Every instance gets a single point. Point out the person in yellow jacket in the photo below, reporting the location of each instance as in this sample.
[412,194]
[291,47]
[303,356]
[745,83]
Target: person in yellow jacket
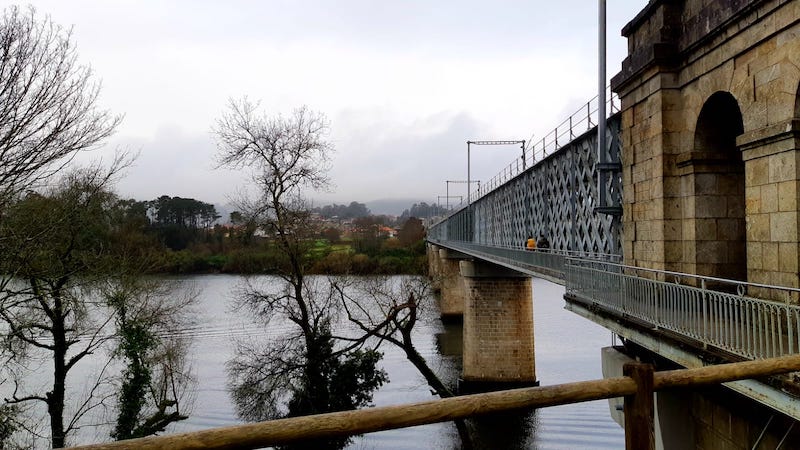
[530,244]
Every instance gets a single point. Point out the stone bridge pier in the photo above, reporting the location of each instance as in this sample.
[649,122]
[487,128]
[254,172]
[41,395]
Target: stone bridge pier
[448,279]
[433,265]
[495,305]
[498,328]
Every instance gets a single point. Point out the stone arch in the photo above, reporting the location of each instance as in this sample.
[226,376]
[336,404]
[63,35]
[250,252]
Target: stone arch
[718,124]
[717,176]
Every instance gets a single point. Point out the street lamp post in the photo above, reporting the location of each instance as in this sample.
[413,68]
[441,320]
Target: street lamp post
[469,202]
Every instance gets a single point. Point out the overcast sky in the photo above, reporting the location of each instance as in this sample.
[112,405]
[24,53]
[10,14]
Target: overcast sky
[404,83]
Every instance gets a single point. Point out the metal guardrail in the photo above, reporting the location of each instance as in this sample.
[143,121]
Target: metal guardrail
[724,317]
[518,257]
[552,261]
[714,312]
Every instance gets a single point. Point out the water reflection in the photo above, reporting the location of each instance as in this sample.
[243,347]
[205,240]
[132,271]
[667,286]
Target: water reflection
[567,349]
[451,340]
[511,430]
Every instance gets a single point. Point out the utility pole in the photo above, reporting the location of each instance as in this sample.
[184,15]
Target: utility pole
[601,104]
[448,197]
[496,142]
[467,182]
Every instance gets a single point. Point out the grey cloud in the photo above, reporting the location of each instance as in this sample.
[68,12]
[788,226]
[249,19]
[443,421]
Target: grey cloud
[390,160]
[379,155]
[173,163]
[472,27]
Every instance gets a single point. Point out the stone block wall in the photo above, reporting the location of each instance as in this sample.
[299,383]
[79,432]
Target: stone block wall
[432,253]
[725,420]
[451,297]
[772,204]
[682,206]
[498,328]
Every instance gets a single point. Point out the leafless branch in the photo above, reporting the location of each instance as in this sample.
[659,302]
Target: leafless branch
[48,108]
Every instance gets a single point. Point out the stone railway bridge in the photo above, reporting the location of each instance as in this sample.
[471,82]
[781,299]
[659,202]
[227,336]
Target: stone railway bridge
[695,256]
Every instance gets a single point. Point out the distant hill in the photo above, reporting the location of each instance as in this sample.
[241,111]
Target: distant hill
[391,206]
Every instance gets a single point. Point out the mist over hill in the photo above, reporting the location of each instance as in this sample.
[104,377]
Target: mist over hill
[391,206]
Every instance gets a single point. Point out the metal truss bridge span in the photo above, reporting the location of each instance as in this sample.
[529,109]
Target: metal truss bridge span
[556,198]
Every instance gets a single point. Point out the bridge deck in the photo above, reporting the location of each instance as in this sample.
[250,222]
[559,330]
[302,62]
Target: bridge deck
[538,263]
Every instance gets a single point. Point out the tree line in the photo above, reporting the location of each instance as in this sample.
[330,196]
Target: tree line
[351,211]
[175,221]
[185,235]
[425,210]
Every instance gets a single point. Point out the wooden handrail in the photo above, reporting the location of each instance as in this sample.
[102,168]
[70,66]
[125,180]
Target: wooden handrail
[347,423]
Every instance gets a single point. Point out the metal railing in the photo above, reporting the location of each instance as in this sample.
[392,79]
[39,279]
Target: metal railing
[552,261]
[578,123]
[724,317]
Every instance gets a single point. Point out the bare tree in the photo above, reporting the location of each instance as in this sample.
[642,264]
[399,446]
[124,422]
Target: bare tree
[48,109]
[45,313]
[64,252]
[305,371]
[285,156]
[387,310]
[55,257]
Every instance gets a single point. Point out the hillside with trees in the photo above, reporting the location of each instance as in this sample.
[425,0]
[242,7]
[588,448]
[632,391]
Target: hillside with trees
[192,238]
[423,210]
[186,235]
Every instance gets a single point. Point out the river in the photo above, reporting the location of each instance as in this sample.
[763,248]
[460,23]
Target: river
[567,349]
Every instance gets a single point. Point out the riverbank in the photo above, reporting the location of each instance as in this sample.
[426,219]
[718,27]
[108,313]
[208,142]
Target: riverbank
[322,258]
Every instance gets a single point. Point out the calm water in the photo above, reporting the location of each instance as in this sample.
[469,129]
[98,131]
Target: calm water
[567,349]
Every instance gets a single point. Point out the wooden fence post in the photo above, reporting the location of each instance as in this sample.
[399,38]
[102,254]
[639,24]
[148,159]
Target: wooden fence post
[639,427]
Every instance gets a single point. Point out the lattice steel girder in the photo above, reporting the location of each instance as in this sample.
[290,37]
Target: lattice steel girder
[556,198]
